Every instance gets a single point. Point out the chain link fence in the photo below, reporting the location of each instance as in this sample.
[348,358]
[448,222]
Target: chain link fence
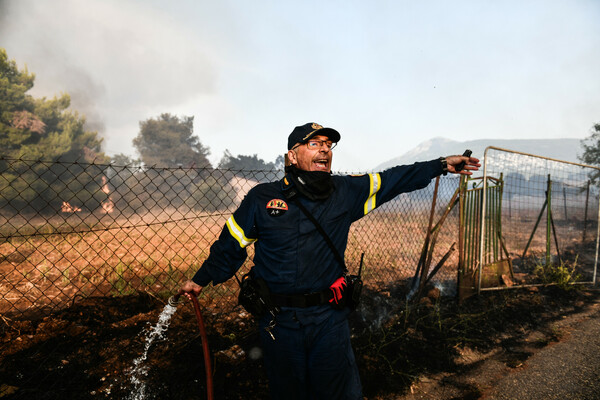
[84,248]
[71,230]
[547,217]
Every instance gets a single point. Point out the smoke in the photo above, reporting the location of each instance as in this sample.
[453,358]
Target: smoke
[120,63]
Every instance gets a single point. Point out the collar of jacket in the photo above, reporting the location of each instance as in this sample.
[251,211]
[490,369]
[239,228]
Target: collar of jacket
[289,189]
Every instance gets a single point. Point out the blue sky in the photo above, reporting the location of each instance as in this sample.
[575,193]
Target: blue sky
[387,74]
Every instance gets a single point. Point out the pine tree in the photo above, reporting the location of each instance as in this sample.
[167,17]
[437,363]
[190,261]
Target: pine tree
[169,141]
[591,151]
[39,129]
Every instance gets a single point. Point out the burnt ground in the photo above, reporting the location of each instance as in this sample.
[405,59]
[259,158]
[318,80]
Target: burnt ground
[86,351]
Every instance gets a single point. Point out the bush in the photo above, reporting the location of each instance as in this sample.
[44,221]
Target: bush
[562,275]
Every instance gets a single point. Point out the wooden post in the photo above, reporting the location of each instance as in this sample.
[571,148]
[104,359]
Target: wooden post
[419,273]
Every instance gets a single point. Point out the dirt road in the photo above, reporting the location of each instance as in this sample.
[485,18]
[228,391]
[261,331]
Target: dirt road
[534,369]
[567,370]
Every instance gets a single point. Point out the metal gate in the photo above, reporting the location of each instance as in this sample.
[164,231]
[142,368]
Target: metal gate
[481,244]
[533,221]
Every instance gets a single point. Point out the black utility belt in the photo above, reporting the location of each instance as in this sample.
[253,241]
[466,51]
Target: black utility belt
[301,300]
[258,300]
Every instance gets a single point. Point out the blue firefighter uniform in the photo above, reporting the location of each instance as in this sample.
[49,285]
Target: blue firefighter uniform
[311,356]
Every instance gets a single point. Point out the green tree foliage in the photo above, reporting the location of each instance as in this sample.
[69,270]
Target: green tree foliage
[124,160]
[251,167]
[16,107]
[41,129]
[591,151]
[210,194]
[168,141]
[138,189]
[244,163]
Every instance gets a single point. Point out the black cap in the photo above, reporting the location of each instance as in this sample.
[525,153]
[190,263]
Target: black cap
[303,133]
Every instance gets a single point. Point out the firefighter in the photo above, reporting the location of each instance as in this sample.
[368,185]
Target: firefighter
[306,337]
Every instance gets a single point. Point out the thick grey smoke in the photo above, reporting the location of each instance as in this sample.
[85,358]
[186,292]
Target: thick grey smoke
[120,63]
[400,72]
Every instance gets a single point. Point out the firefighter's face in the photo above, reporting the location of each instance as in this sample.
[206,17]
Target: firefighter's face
[313,156]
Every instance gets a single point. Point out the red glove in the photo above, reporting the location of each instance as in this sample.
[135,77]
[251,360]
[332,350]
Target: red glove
[337,288]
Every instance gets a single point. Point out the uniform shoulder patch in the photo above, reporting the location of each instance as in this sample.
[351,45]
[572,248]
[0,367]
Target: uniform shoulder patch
[276,207]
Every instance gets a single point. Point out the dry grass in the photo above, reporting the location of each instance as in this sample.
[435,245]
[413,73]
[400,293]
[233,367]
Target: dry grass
[152,253]
[121,257]
[156,251]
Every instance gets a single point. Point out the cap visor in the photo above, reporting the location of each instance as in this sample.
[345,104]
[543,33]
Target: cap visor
[329,132]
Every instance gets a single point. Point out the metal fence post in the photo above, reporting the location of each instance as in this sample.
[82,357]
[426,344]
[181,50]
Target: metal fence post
[597,244]
[587,200]
[482,232]
[548,219]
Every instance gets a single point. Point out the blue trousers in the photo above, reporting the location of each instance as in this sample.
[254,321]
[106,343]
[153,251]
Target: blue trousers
[311,358]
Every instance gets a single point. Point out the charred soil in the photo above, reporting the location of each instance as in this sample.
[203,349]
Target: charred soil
[86,351]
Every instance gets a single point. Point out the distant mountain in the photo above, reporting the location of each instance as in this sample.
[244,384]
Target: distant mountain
[560,149]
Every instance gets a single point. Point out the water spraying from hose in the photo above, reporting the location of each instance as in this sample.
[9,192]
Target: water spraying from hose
[173,302]
[139,370]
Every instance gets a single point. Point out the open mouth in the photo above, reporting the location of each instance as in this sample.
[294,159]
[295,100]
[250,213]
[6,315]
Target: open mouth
[322,164]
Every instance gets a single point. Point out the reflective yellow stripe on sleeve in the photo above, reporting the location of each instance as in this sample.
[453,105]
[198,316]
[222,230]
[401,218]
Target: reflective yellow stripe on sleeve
[238,233]
[374,186]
